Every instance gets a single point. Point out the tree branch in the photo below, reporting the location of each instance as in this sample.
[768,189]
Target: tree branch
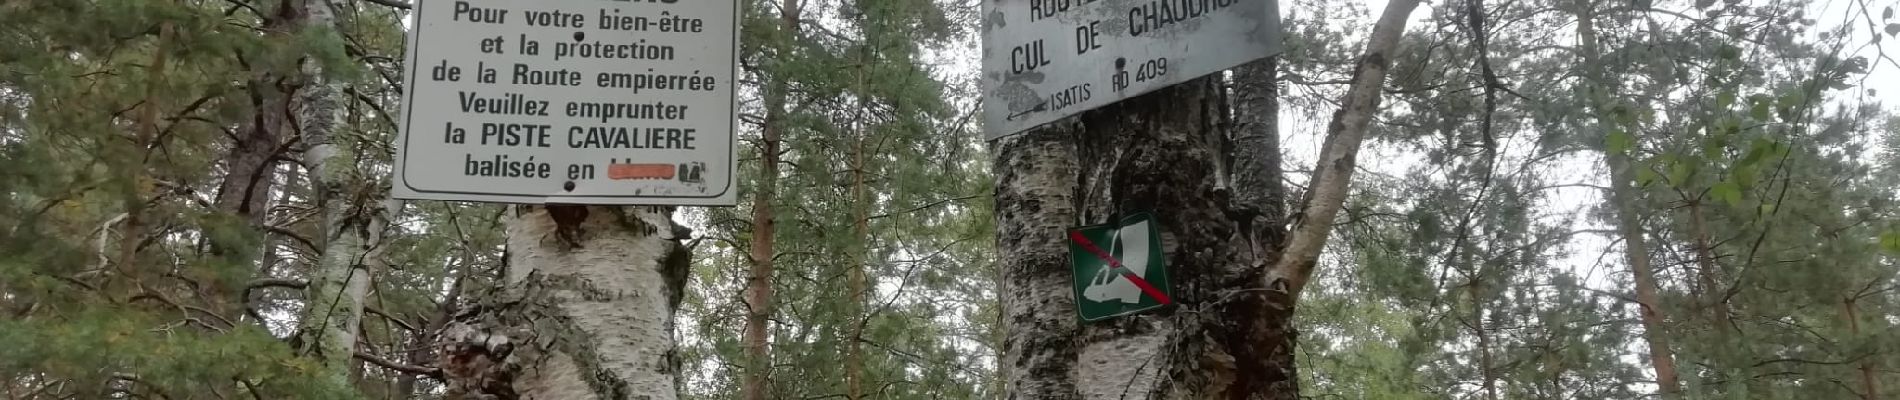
[1334,168]
[392,3]
[135,379]
[431,372]
[250,387]
[309,244]
[399,321]
[245,297]
[929,205]
[279,283]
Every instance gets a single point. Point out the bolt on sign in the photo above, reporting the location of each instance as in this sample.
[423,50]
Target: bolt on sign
[1119,268]
[570,101]
[1048,59]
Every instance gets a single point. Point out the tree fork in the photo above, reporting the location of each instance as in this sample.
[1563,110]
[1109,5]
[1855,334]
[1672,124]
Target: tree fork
[1332,172]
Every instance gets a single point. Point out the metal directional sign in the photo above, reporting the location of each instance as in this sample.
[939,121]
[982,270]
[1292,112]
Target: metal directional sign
[1048,59]
[1119,268]
[570,101]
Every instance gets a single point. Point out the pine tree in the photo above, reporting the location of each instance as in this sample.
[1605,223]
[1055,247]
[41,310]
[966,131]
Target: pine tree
[1623,199]
[116,117]
[758,298]
[191,207]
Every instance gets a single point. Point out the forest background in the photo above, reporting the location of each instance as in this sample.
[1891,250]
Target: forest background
[194,206]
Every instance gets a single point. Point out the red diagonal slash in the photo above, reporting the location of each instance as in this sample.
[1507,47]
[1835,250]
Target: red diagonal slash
[1117,264]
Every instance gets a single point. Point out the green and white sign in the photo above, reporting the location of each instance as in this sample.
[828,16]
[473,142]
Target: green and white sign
[1119,268]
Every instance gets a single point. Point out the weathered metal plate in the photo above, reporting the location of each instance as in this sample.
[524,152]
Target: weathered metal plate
[1048,59]
[570,102]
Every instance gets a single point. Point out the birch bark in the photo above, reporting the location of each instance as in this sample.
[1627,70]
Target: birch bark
[1226,340]
[1231,336]
[333,304]
[587,312]
[1332,174]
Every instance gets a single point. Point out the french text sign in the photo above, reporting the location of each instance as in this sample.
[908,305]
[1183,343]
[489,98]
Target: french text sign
[570,101]
[1048,59]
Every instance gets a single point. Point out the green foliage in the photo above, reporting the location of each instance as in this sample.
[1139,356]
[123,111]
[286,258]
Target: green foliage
[1619,141]
[125,353]
[1487,261]
[1728,191]
[1752,156]
[929,315]
[110,280]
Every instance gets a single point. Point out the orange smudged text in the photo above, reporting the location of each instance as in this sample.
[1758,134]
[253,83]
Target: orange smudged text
[639,171]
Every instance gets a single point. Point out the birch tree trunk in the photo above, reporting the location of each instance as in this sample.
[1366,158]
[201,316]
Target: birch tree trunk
[1153,152]
[1231,334]
[333,304]
[1254,152]
[587,312]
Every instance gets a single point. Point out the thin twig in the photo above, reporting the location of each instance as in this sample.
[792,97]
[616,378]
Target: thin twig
[392,3]
[431,372]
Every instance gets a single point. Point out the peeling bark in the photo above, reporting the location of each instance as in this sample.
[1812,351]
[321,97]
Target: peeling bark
[1254,151]
[1231,335]
[1036,198]
[587,311]
[333,306]
[1227,339]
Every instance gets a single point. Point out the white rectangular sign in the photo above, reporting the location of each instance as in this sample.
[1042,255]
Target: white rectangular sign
[570,101]
[1048,59]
